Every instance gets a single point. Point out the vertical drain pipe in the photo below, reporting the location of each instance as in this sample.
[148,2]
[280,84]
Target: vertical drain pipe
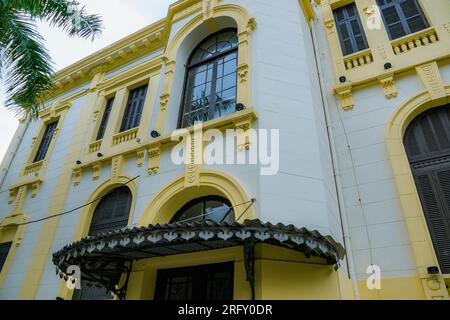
[338,183]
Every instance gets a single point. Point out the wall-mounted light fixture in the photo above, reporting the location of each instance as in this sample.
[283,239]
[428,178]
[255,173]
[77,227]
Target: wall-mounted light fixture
[155,134]
[387,66]
[240,107]
[342,79]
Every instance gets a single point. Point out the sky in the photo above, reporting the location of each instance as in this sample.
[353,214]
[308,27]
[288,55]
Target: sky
[120,18]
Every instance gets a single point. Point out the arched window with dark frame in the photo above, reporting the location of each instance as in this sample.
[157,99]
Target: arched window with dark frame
[111,213]
[427,143]
[210,88]
[213,208]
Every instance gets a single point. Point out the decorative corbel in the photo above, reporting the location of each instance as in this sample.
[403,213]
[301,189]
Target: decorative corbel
[96,170]
[140,154]
[77,176]
[164,100]
[329,24]
[251,24]
[35,188]
[242,71]
[388,85]
[345,95]
[154,159]
[12,195]
[243,133]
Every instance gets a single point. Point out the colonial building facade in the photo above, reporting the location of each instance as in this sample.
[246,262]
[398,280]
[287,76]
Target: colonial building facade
[355,204]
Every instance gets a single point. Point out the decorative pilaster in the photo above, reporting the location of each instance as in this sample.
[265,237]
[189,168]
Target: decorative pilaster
[243,89]
[165,96]
[116,167]
[431,78]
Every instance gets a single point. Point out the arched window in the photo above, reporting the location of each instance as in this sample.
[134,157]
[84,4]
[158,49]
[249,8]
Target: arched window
[112,213]
[427,142]
[211,79]
[211,208]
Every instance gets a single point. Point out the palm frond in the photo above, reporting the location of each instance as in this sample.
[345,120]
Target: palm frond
[29,71]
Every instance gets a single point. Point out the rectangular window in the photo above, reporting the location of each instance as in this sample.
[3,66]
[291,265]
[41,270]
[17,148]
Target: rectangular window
[133,110]
[104,123]
[45,142]
[208,282]
[402,17]
[4,250]
[351,33]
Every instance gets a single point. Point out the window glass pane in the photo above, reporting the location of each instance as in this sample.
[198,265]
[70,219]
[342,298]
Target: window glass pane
[218,211]
[390,15]
[211,208]
[396,30]
[416,24]
[205,82]
[409,8]
[196,211]
[349,27]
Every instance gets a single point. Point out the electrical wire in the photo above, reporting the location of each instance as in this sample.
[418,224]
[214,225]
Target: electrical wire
[72,210]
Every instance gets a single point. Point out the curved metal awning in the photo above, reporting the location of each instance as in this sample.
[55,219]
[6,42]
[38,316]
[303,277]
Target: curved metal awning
[102,259]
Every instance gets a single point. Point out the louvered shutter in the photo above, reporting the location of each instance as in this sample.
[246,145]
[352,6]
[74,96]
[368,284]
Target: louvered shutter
[105,118]
[45,142]
[133,110]
[427,142]
[434,204]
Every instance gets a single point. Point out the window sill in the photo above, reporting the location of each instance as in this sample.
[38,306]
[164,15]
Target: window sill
[34,168]
[358,59]
[409,42]
[238,120]
[95,146]
[125,136]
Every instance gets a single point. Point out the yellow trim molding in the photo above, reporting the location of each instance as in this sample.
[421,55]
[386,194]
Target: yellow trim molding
[171,198]
[85,219]
[419,235]
[12,229]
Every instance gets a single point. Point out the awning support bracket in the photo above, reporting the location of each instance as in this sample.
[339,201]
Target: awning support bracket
[249,261]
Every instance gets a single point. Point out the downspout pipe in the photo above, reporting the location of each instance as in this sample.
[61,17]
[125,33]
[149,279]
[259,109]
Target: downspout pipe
[337,177]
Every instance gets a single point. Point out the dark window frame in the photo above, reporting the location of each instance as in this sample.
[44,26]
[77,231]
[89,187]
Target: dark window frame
[347,23]
[134,108]
[200,279]
[105,118]
[203,200]
[97,226]
[403,20]
[46,140]
[191,66]
[5,249]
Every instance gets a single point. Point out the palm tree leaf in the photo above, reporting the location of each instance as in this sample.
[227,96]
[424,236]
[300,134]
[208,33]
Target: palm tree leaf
[29,71]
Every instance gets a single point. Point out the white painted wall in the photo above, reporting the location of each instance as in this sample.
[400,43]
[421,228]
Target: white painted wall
[286,96]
